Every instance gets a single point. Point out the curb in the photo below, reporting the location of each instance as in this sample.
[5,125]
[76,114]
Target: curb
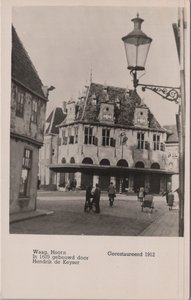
[29,215]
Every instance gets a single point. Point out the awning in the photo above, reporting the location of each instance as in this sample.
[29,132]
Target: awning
[104,170]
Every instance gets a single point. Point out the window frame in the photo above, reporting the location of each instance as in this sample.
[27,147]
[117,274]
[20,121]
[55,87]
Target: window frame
[88,135]
[106,137]
[34,110]
[140,140]
[26,167]
[76,134]
[20,96]
[156,141]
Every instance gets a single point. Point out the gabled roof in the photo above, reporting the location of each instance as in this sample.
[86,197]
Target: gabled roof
[123,116]
[172,133]
[22,67]
[56,117]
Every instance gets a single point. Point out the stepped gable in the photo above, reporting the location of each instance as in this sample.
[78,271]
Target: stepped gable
[124,115]
[23,69]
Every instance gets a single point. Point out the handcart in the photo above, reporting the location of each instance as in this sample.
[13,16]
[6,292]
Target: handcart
[170,200]
[148,202]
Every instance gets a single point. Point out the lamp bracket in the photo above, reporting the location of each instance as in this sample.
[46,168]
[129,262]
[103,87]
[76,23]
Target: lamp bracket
[166,92]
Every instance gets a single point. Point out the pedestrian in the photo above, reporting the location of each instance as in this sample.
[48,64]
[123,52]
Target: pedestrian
[141,194]
[111,193]
[166,193]
[89,196]
[96,198]
[137,192]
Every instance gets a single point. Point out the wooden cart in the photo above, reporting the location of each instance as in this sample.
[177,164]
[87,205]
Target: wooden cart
[148,202]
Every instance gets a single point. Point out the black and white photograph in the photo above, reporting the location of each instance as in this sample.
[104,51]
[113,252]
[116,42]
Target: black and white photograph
[96,150]
[99,150]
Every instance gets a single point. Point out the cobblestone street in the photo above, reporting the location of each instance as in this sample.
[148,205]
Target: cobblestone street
[123,219]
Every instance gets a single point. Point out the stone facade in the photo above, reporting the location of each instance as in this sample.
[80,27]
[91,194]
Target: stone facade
[111,135]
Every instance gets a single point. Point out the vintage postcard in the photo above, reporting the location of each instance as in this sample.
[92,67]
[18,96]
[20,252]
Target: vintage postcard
[95,149]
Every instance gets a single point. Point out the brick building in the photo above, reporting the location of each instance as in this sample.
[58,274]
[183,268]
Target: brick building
[28,106]
[111,135]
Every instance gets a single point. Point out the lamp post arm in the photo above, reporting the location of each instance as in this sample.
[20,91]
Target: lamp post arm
[166,92]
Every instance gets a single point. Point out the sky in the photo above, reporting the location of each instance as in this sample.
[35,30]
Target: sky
[66,43]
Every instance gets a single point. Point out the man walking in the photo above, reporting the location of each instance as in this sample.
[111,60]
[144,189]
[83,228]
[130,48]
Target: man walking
[111,193]
[96,198]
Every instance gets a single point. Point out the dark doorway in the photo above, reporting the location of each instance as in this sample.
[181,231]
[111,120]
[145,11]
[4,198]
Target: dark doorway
[63,175]
[104,180]
[139,178]
[62,180]
[139,181]
[122,182]
[86,179]
[71,175]
[155,180]
[155,184]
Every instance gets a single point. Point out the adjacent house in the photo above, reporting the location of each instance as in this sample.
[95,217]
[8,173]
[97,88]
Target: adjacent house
[28,105]
[49,152]
[109,134]
[172,150]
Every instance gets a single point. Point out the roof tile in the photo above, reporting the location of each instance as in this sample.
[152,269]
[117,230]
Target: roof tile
[22,67]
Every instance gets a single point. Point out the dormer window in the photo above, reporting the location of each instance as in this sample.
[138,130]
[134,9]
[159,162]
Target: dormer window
[141,116]
[106,114]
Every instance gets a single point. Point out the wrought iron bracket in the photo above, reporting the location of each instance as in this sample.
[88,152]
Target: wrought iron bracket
[166,92]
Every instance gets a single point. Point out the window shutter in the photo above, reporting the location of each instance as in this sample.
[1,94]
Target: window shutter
[112,142]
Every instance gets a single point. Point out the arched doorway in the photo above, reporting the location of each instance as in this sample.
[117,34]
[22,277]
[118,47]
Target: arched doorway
[122,182]
[63,175]
[104,180]
[139,178]
[86,179]
[155,180]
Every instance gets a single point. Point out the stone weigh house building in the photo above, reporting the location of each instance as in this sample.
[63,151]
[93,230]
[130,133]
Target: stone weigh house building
[28,106]
[110,135]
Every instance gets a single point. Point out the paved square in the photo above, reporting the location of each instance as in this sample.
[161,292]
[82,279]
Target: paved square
[123,219]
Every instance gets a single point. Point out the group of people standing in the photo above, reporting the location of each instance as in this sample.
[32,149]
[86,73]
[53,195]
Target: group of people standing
[93,197]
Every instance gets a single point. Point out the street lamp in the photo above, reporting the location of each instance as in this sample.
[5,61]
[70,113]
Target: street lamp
[137,45]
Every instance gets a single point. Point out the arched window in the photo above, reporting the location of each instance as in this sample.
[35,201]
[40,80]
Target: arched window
[139,164]
[155,166]
[122,163]
[87,160]
[72,160]
[105,162]
[63,160]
